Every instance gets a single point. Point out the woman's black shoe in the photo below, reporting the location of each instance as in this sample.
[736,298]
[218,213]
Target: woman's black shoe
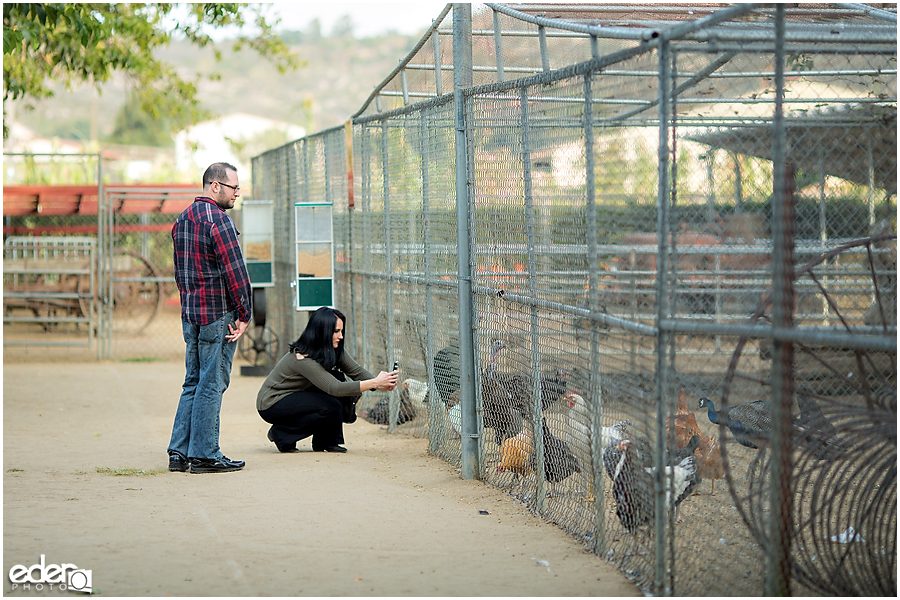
[284,448]
[330,449]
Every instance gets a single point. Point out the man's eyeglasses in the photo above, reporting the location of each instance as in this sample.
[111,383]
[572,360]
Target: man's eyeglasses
[236,188]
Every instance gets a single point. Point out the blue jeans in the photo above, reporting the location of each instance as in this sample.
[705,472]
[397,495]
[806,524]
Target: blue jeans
[207,362]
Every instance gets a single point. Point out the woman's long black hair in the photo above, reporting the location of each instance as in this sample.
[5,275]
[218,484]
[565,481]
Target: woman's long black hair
[316,341]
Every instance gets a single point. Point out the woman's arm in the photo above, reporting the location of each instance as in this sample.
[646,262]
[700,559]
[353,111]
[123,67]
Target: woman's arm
[383,382]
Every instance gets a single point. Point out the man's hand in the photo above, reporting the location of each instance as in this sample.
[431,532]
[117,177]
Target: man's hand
[237,330]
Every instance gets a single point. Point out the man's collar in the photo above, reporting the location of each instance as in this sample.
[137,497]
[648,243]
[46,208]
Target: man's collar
[210,200]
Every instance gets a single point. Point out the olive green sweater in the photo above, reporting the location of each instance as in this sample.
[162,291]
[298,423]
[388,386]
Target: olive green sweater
[293,374]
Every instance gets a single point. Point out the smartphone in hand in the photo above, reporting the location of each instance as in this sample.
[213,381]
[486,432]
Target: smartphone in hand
[396,365]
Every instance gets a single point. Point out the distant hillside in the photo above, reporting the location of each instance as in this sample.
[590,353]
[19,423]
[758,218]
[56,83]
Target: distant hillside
[339,75]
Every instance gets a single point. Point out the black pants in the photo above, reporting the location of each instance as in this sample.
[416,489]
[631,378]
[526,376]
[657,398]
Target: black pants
[308,413]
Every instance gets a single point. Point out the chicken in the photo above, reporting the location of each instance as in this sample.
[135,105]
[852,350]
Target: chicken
[633,485]
[578,434]
[685,480]
[709,460]
[559,460]
[515,454]
[685,422]
[678,457]
[610,436]
[418,390]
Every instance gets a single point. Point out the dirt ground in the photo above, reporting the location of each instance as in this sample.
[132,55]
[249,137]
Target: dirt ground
[385,519]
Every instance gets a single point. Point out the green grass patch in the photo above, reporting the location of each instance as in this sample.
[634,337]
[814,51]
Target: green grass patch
[129,472]
[15,470]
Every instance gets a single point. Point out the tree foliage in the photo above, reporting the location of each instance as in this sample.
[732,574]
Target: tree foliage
[87,42]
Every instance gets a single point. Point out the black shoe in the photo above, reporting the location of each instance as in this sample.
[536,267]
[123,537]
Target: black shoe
[284,448]
[177,462]
[236,463]
[330,449]
[215,465]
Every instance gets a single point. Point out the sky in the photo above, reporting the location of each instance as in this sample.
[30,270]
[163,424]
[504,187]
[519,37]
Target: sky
[369,18]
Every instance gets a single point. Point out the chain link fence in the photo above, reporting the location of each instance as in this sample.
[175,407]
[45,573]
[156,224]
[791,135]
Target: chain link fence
[639,269]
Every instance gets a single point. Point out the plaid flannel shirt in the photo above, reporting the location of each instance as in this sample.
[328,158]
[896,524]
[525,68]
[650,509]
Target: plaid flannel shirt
[209,267]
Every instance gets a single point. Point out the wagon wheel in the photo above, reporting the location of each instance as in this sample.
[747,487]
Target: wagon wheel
[840,467]
[137,292]
[259,346]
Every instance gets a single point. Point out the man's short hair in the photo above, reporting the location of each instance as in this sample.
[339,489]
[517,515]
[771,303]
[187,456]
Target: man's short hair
[217,172]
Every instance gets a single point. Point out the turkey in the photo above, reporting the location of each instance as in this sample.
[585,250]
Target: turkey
[498,408]
[520,390]
[413,395]
[446,372]
[750,423]
[633,486]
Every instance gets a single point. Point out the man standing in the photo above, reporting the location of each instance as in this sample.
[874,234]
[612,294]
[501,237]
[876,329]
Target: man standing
[215,310]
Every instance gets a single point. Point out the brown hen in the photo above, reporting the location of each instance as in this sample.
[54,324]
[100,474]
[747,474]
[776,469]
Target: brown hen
[685,423]
[709,460]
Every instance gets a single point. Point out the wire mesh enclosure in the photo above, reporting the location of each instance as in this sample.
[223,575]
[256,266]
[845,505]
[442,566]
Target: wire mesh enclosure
[638,266]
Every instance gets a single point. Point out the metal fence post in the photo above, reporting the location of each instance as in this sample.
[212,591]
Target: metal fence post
[662,268]
[394,402]
[462,78]
[540,495]
[366,202]
[435,433]
[594,393]
[778,573]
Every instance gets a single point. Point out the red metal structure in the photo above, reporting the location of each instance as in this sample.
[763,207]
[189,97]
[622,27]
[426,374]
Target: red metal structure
[64,200]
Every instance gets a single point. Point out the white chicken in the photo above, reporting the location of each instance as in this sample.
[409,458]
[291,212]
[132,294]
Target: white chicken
[417,393]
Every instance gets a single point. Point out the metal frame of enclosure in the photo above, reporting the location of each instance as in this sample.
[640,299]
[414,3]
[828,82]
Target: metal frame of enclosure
[640,202]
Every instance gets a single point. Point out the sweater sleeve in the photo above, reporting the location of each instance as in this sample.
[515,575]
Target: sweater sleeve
[325,381]
[352,369]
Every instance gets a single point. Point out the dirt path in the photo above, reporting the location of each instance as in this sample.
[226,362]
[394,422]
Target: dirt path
[385,519]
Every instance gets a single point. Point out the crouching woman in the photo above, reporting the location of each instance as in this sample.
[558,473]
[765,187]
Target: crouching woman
[308,392]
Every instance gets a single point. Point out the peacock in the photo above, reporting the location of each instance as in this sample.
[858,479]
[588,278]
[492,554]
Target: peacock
[750,423]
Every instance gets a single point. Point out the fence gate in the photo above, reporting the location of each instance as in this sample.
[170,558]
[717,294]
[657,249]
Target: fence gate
[50,281]
[141,318]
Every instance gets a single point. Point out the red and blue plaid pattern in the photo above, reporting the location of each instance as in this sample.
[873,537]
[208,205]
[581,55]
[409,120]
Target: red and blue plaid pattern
[209,267]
